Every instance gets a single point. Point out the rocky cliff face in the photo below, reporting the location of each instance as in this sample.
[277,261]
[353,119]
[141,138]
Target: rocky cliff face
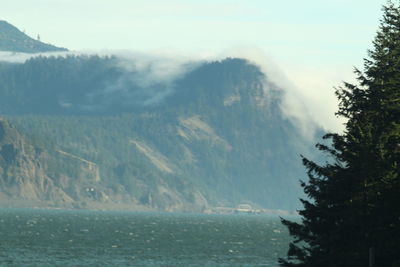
[116,133]
[92,134]
[23,174]
[26,180]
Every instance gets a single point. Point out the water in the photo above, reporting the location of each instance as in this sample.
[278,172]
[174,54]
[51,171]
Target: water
[96,238]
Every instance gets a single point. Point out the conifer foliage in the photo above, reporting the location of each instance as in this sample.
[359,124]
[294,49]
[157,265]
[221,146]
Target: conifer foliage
[352,217]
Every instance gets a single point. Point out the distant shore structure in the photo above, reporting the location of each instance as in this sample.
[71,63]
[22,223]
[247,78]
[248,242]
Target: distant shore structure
[246,209]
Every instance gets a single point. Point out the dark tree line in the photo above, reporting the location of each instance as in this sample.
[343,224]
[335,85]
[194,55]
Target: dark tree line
[352,217]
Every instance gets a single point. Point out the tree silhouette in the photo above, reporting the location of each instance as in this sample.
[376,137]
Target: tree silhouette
[353,215]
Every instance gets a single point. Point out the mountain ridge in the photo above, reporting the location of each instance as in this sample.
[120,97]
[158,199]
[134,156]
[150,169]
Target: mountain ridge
[104,132]
[13,40]
[218,139]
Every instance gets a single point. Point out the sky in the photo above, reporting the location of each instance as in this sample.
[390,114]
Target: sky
[308,46]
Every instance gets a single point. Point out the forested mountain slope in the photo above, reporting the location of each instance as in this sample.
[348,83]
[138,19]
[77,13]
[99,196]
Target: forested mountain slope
[212,136]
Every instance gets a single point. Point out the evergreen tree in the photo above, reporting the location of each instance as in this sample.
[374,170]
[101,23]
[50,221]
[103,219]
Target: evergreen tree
[352,216]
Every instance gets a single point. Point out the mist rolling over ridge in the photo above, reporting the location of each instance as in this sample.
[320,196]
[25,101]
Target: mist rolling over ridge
[156,72]
[163,66]
[179,145]
[128,130]
[199,133]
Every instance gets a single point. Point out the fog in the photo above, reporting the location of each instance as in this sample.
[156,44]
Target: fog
[309,99]
[153,74]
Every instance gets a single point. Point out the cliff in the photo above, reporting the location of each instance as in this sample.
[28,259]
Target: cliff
[213,136]
[27,179]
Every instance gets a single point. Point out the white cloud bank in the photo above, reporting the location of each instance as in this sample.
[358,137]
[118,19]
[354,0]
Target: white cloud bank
[309,98]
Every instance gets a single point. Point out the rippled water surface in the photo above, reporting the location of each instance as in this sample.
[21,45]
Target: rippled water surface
[96,238]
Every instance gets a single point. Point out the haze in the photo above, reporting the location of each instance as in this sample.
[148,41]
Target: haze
[314,44]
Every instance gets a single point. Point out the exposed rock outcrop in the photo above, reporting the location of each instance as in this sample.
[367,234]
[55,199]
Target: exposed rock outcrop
[26,180]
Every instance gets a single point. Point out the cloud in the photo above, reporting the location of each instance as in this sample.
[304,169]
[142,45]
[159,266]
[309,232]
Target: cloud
[18,57]
[150,69]
[148,78]
[315,87]
[309,100]
[145,79]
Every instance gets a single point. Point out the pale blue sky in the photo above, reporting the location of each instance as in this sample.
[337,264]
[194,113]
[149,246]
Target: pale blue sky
[314,42]
[302,30]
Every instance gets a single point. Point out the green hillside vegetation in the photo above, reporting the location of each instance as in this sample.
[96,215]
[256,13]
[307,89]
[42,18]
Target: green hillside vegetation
[215,133]
[12,39]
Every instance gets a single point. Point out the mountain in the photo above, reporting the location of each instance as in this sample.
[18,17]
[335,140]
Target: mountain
[23,173]
[115,137]
[12,39]
[35,177]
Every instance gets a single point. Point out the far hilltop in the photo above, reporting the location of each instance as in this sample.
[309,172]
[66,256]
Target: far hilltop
[14,40]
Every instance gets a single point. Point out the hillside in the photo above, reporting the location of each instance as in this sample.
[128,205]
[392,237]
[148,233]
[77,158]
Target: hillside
[214,136]
[35,177]
[23,173]
[12,39]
